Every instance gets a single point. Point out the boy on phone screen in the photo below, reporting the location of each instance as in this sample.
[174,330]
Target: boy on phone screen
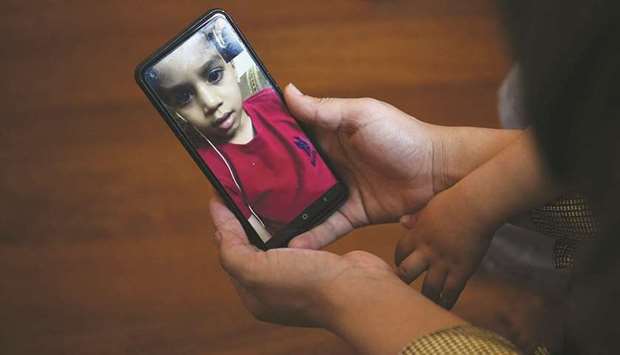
[254,147]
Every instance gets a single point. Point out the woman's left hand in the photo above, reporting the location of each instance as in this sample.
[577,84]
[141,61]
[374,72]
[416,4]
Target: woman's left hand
[293,286]
[357,296]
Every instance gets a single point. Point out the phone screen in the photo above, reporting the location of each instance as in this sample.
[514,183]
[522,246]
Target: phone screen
[226,107]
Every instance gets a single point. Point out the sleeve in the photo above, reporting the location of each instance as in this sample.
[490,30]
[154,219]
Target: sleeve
[464,340]
[569,220]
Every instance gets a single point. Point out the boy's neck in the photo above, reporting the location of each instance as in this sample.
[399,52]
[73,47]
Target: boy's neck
[245,132]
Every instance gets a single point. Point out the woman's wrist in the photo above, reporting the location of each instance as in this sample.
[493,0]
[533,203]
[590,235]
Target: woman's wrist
[457,151]
[381,317]
[512,182]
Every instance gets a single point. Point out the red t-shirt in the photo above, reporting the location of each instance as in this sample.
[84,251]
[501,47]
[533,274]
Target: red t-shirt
[279,170]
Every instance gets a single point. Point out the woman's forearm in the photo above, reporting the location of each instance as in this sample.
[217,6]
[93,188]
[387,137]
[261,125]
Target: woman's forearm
[384,322]
[457,151]
[513,181]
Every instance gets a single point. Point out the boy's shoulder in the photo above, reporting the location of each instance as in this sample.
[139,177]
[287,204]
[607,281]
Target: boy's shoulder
[266,106]
[267,96]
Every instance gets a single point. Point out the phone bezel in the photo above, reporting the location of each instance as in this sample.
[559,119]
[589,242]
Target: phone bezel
[323,208]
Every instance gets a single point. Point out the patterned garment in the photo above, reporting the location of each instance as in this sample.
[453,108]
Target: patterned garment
[463,340]
[570,221]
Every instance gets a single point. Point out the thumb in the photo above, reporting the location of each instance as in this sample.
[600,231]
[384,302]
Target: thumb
[235,249]
[228,230]
[326,113]
[334,227]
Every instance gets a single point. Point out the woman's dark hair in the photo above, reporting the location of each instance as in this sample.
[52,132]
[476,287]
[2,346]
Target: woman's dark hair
[569,53]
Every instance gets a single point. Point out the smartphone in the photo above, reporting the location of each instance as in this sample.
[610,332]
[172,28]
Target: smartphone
[218,98]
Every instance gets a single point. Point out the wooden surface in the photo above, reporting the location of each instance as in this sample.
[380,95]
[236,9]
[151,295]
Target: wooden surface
[105,239]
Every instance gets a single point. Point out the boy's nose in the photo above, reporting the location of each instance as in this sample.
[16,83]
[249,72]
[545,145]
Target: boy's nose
[209,99]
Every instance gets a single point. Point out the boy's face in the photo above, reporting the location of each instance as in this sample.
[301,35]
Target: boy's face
[199,85]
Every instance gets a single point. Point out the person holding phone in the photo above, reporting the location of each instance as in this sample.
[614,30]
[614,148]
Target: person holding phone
[350,294]
[254,147]
[476,179]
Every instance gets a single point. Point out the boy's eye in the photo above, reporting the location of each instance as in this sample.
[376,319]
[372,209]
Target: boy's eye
[182,97]
[215,75]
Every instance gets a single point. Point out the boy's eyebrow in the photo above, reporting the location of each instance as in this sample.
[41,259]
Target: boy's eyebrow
[211,62]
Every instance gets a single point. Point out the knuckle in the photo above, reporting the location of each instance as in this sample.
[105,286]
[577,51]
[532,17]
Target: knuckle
[321,109]
[356,256]
[324,101]
[370,103]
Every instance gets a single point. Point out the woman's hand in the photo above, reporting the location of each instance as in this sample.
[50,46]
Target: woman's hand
[384,155]
[297,287]
[392,163]
[357,295]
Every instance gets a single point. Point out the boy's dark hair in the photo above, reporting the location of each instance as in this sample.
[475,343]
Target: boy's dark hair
[227,46]
[569,52]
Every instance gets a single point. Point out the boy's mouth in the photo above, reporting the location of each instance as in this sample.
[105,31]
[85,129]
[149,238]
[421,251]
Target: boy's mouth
[224,122]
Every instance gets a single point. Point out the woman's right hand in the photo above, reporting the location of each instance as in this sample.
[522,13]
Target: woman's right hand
[384,156]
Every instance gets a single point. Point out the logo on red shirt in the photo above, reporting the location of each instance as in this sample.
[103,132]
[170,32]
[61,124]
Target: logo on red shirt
[306,148]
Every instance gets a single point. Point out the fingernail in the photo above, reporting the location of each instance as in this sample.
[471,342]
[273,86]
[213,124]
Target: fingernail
[408,221]
[446,303]
[295,90]
[296,244]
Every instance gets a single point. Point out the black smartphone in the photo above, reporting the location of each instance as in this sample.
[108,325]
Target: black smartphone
[217,97]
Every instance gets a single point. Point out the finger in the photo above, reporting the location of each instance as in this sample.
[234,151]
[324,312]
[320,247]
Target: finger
[236,252]
[452,290]
[328,113]
[433,283]
[412,267]
[404,248]
[408,220]
[223,219]
[327,232]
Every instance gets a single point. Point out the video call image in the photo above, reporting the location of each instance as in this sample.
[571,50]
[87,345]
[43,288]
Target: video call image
[236,121]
